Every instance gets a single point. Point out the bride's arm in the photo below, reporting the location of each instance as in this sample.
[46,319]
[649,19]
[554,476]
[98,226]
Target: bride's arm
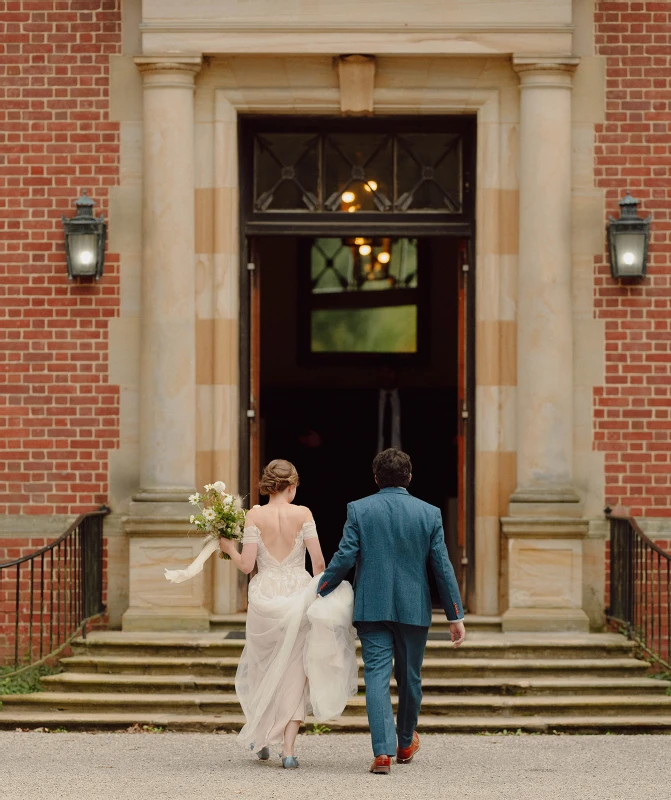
[243,561]
[316,555]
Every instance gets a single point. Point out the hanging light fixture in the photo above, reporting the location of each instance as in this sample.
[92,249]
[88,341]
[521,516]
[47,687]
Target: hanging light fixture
[628,239]
[85,237]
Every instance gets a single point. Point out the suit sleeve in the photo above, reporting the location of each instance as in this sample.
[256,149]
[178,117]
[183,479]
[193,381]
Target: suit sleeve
[444,573]
[343,561]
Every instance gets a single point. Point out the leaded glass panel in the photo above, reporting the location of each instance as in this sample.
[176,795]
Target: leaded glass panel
[429,174]
[286,172]
[348,172]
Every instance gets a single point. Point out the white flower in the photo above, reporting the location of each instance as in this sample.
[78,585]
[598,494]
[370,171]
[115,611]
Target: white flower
[209,514]
[228,499]
[218,486]
[192,519]
[194,499]
[208,486]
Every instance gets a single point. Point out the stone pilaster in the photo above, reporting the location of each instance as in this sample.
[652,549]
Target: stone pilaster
[544,532]
[158,520]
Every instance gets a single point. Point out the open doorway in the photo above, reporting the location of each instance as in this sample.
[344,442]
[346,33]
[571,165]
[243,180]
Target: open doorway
[343,372]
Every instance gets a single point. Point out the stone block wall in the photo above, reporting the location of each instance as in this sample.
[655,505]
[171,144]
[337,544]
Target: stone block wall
[632,409]
[59,415]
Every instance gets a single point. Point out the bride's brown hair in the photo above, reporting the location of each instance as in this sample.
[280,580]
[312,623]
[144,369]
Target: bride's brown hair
[278,476]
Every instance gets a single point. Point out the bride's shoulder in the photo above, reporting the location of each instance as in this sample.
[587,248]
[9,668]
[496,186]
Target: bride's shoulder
[253,514]
[304,513]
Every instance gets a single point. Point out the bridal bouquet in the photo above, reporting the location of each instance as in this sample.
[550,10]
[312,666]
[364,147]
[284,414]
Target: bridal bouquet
[221,514]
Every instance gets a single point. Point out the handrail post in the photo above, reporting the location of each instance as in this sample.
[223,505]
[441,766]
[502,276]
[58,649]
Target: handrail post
[639,569]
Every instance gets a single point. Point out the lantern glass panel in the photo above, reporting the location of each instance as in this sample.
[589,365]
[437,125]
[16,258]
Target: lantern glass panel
[83,253]
[630,251]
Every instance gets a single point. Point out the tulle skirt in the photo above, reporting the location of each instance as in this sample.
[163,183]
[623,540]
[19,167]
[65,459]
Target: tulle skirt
[299,657]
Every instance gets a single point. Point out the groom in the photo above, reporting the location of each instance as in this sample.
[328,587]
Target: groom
[391,537]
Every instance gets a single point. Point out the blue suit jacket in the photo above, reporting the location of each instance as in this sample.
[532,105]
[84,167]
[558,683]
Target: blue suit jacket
[392,537]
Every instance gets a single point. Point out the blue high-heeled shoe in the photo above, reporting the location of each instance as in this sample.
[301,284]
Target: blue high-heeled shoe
[264,754]
[289,762]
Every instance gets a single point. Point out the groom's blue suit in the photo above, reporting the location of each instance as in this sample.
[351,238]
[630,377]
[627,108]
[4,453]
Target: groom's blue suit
[392,537]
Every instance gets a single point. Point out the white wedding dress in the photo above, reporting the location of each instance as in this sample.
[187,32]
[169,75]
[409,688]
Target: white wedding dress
[300,651]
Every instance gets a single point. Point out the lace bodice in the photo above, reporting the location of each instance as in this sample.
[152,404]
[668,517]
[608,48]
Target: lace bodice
[280,577]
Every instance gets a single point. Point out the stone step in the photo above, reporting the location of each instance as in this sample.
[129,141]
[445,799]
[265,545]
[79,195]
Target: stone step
[211,703]
[474,622]
[551,723]
[432,667]
[480,646]
[161,684]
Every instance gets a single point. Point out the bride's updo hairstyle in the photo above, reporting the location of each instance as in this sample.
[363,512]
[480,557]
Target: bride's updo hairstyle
[278,476]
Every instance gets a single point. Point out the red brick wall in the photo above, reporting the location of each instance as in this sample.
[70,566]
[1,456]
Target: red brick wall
[59,415]
[633,151]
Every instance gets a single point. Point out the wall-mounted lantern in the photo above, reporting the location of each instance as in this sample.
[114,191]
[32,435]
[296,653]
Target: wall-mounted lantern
[85,241]
[628,239]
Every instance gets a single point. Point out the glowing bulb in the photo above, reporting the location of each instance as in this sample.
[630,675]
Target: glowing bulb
[352,208]
[86,257]
[359,240]
[348,197]
[384,257]
[365,249]
[371,186]
[629,259]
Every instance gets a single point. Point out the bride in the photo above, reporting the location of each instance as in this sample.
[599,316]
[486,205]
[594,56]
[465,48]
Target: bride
[289,634]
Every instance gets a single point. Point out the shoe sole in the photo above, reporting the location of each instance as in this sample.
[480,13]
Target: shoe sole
[380,770]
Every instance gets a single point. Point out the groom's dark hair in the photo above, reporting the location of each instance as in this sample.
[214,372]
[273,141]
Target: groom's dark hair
[392,467]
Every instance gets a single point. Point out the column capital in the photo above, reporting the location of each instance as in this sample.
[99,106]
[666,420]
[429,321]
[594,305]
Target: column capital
[546,71]
[169,70]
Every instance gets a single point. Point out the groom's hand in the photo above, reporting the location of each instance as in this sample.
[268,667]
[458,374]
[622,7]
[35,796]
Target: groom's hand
[457,633]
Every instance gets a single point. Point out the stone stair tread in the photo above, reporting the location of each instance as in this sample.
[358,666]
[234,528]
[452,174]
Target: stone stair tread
[447,683]
[437,618]
[103,699]
[478,640]
[428,723]
[533,663]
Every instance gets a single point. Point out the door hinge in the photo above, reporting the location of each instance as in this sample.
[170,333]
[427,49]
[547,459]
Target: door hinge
[465,268]
[251,266]
[464,411]
[251,414]
[464,561]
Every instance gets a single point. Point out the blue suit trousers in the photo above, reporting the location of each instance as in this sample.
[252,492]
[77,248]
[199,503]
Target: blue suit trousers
[382,643]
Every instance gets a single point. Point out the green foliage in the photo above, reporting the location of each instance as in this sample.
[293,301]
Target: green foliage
[318,730]
[25,682]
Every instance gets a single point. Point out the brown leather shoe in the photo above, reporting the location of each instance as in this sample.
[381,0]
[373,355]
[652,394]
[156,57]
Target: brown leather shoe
[381,765]
[404,755]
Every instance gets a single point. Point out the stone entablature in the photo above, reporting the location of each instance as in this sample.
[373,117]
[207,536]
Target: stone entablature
[376,27]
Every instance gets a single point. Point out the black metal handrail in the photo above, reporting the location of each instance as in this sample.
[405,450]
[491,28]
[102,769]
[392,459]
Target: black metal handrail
[50,594]
[640,587]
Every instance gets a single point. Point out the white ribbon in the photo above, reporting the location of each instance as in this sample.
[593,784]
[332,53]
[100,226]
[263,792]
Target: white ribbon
[196,566]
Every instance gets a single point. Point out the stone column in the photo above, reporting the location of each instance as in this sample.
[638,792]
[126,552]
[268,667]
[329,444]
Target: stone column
[158,521]
[544,532]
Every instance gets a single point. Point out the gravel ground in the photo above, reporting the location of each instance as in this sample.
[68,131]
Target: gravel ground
[82,766]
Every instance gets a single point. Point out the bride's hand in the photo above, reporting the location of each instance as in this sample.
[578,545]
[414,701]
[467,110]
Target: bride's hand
[227,545]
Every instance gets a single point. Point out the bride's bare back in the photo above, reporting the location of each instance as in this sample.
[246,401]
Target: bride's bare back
[279,524]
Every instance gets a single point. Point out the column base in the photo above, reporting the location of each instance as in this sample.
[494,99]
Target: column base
[172,619]
[545,620]
[161,537]
[545,501]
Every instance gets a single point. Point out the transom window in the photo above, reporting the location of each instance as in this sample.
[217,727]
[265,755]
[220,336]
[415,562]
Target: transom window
[363,167]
